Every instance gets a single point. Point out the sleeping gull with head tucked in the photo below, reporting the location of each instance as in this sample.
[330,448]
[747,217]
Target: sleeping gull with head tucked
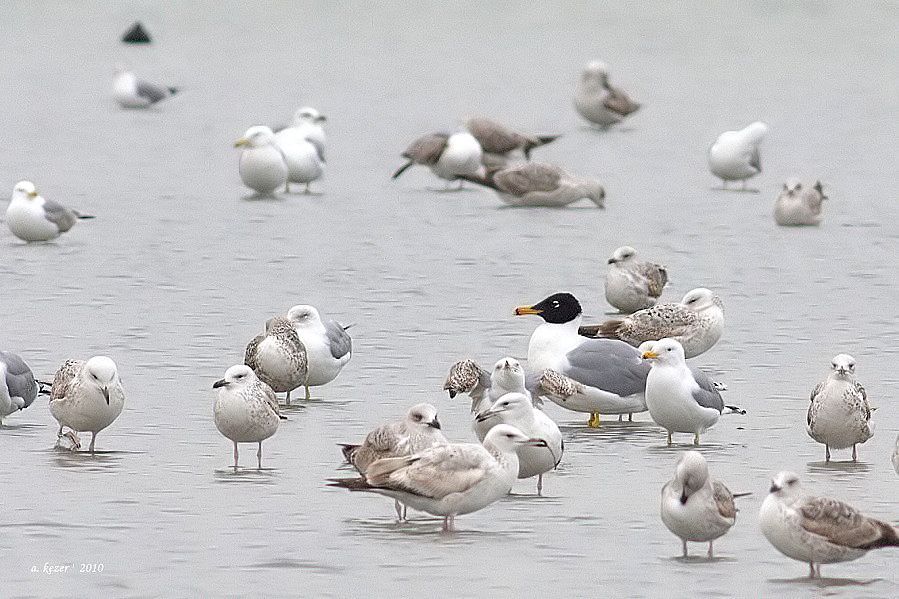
[799,205]
[818,530]
[278,357]
[696,507]
[245,409]
[448,480]
[484,388]
[131,92]
[87,396]
[697,323]
[450,157]
[598,101]
[31,217]
[328,346]
[839,415]
[18,389]
[535,184]
[633,284]
[417,431]
[262,164]
[735,154]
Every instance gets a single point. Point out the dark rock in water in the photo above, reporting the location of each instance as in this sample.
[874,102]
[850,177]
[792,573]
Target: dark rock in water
[136,35]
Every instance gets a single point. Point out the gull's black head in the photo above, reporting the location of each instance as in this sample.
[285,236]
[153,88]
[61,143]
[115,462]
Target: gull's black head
[558,308]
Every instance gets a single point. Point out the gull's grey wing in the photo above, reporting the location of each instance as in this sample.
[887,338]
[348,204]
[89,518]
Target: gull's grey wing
[319,148]
[19,378]
[340,342]
[618,102]
[842,524]
[724,500]
[152,92]
[427,148]
[707,395]
[609,365]
[494,137]
[59,215]
[532,176]
[755,159]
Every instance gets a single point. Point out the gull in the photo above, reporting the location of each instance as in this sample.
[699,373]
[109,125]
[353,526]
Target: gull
[18,389]
[797,205]
[697,323]
[31,217]
[818,530]
[418,431]
[308,121]
[534,184]
[839,415]
[450,157]
[633,284]
[676,399]
[86,396]
[735,154]
[245,409]
[262,163]
[484,388]
[598,101]
[305,159]
[278,357]
[498,139]
[448,480]
[328,346]
[517,410]
[696,507]
[131,92]
[612,372]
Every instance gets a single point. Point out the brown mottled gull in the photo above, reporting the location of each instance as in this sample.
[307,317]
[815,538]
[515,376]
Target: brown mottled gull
[633,284]
[839,415]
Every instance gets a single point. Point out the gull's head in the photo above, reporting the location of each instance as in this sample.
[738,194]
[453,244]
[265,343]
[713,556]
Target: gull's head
[256,137]
[691,472]
[511,403]
[700,299]
[595,192]
[307,114]
[665,351]
[508,374]
[102,373]
[623,254]
[843,365]
[792,185]
[237,375]
[423,415]
[24,190]
[506,438]
[596,70]
[558,308]
[755,132]
[785,485]
[304,316]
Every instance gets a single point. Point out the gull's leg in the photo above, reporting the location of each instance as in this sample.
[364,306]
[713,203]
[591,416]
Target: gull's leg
[259,457]
[594,420]
[287,187]
[288,398]
[461,184]
[539,484]
[685,547]
[854,454]
[620,417]
[811,569]
[711,554]
[445,523]
[452,522]
[826,453]
[818,571]
[235,456]
[308,397]
[696,440]
[399,510]
[743,187]
[308,190]
[669,438]
[93,438]
[630,417]
[59,434]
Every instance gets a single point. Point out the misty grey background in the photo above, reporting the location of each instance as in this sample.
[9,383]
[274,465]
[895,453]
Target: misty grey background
[179,271]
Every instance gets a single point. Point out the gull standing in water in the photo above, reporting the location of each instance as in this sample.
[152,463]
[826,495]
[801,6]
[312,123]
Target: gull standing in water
[697,323]
[18,389]
[450,157]
[798,205]
[31,217]
[598,101]
[516,409]
[328,346]
[535,184]
[677,401]
[696,507]
[498,139]
[839,415]
[418,431]
[262,163]
[818,530]
[86,396]
[245,409]
[735,154]
[632,284]
[278,357]
[131,92]
[448,480]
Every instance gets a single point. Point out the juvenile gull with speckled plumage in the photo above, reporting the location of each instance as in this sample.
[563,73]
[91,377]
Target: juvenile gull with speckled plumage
[484,387]
[536,184]
[599,101]
[839,415]
[87,396]
[633,284]
[245,409]
[799,205]
[278,357]
[496,138]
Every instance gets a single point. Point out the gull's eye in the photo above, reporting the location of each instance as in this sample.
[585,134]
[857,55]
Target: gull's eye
[792,481]
[555,304]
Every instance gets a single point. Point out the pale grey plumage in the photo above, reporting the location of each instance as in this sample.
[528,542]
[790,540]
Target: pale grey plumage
[341,343]
[19,379]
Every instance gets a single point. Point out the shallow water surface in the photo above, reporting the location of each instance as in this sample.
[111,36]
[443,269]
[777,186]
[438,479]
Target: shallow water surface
[179,271]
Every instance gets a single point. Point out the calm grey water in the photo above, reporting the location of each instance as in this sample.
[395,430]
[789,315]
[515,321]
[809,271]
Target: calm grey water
[179,271]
